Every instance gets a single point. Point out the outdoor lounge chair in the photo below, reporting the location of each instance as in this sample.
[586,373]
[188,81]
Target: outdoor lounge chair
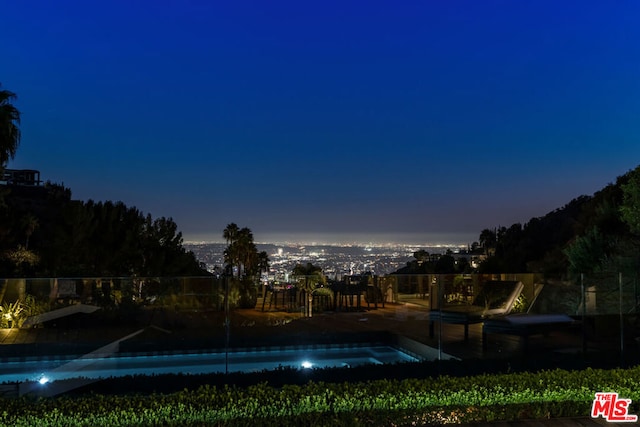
[496,298]
[525,325]
[553,317]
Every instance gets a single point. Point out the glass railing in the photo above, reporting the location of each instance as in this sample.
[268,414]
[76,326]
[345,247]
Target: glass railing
[426,316]
[604,294]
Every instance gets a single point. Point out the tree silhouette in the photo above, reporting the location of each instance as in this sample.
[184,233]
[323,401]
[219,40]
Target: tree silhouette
[242,252]
[263,262]
[9,127]
[488,240]
[630,208]
[246,253]
[76,238]
[230,234]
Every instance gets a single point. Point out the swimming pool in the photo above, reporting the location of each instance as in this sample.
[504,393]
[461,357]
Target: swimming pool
[201,363]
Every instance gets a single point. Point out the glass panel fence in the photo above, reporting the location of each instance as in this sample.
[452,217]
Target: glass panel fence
[425,317]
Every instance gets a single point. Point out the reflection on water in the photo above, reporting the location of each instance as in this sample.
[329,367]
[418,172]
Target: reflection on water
[255,361]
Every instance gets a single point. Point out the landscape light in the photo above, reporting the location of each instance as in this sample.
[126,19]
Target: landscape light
[307,365]
[43,380]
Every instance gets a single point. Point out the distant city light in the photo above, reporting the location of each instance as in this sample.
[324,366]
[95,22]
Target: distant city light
[307,365]
[43,380]
[335,261]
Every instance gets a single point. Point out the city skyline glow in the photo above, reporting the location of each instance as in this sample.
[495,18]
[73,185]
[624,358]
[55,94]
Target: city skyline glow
[357,239]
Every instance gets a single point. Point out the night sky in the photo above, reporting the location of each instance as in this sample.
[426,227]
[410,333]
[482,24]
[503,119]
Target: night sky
[377,121]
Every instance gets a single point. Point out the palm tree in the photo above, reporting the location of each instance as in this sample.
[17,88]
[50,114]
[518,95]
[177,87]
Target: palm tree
[241,252]
[230,234]
[309,276]
[263,262]
[246,252]
[9,130]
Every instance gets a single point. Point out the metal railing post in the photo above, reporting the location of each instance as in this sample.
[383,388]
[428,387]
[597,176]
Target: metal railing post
[584,316]
[621,320]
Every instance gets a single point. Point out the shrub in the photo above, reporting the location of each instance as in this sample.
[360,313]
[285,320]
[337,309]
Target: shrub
[444,400]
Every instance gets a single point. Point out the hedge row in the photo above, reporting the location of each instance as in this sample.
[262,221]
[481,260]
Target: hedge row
[444,400]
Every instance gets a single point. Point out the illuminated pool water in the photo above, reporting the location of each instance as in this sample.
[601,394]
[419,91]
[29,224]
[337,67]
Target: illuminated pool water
[202,363]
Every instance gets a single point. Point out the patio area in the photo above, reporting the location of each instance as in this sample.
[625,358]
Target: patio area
[165,330]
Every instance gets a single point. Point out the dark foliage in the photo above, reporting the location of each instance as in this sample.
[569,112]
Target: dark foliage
[76,238]
[528,248]
[541,245]
[546,244]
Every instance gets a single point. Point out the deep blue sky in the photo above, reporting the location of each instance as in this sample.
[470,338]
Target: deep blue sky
[434,118]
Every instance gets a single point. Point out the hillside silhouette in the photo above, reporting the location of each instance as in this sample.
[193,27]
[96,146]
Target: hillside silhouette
[588,234]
